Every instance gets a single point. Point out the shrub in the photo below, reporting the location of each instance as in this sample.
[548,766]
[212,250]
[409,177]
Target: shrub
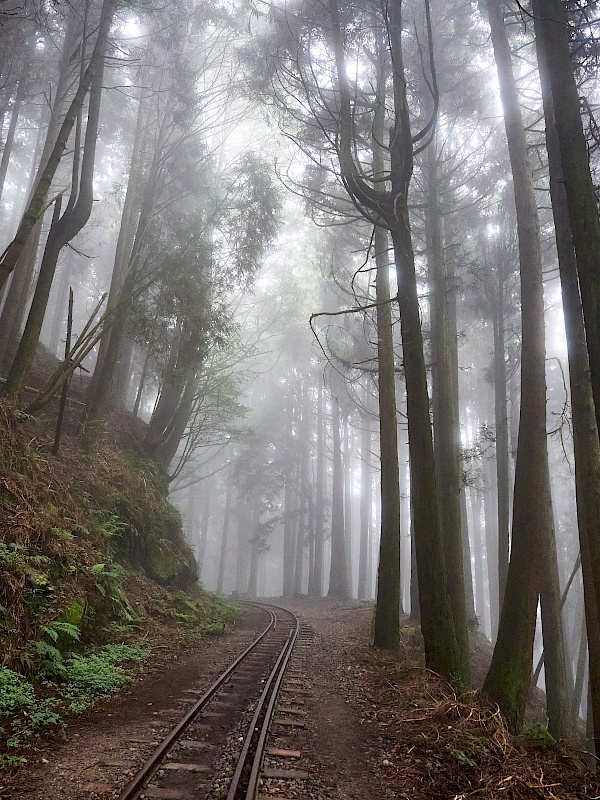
[16,693]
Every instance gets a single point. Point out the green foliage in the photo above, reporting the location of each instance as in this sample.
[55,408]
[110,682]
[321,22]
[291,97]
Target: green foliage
[258,206]
[461,756]
[89,678]
[74,613]
[8,760]
[20,558]
[108,525]
[124,653]
[83,680]
[536,736]
[16,693]
[45,660]
[29,717]
[23,568]
[202,620]
[59,533]
[55,628]
[37,720]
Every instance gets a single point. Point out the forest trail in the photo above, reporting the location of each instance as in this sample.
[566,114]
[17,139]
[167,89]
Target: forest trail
[377,726]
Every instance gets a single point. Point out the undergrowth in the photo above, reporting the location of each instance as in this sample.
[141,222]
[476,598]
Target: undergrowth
[81,681]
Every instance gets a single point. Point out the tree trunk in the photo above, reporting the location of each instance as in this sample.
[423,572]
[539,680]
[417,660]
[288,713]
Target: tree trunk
[11,321]
[60,306]
[347,464]
[502,446]
[490,512]
[204,526]
[442,651]
[224,539]
[467,562]
[102,384]
[35,209]
[478,545]
[243,546]
[365,507]
[123,374]
[507,681]
[580,672]
[316,589]
[388,600]
[288,539]
[553,33]
[62,231]
[444,344]
[303,491]
[141,385]
[167,450]
[338,578]
[568,175]
[12,127]
[254,551]
[415,610]
[557,689]
[300,535]
[17,297]
[386,632]
[127,231]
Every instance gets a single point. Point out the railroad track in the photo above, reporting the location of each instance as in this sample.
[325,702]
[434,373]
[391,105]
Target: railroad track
[215,751]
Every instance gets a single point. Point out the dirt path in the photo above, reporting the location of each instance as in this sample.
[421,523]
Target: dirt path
[376,726]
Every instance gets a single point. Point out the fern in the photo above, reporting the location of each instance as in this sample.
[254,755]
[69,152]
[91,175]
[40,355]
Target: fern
[55,628]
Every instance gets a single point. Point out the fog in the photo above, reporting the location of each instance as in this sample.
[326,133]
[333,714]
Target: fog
[261,275]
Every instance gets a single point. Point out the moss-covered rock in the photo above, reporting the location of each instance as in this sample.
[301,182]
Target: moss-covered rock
[170,564]
[74,612]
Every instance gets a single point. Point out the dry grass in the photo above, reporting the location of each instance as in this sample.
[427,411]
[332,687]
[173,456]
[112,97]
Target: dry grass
[440,745]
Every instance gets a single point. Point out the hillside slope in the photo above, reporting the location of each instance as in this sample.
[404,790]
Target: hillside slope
[93,565]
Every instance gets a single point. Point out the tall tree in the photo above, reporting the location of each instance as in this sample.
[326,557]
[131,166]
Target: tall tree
[62,230]
[444,349]
[443,652]
[338,574]
[36,205]
[509,675]
[569,175]
[388,606]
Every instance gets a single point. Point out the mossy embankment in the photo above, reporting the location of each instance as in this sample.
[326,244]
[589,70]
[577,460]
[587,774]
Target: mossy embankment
[93,561]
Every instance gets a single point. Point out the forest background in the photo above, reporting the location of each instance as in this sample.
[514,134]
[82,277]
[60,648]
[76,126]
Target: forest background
[340,262]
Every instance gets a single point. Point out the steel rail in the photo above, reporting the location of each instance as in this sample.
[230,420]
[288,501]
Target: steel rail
[260,747]
[265,708]
[136,785]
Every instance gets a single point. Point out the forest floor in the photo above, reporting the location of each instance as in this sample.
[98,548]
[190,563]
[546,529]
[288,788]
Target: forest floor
[377,726]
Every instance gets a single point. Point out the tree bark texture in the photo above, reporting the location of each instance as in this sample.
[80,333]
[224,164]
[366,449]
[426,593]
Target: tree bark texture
[553,31]
[444,346]
[557,688]
[386,631]
[288,530]
[507,681]
[583,408]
